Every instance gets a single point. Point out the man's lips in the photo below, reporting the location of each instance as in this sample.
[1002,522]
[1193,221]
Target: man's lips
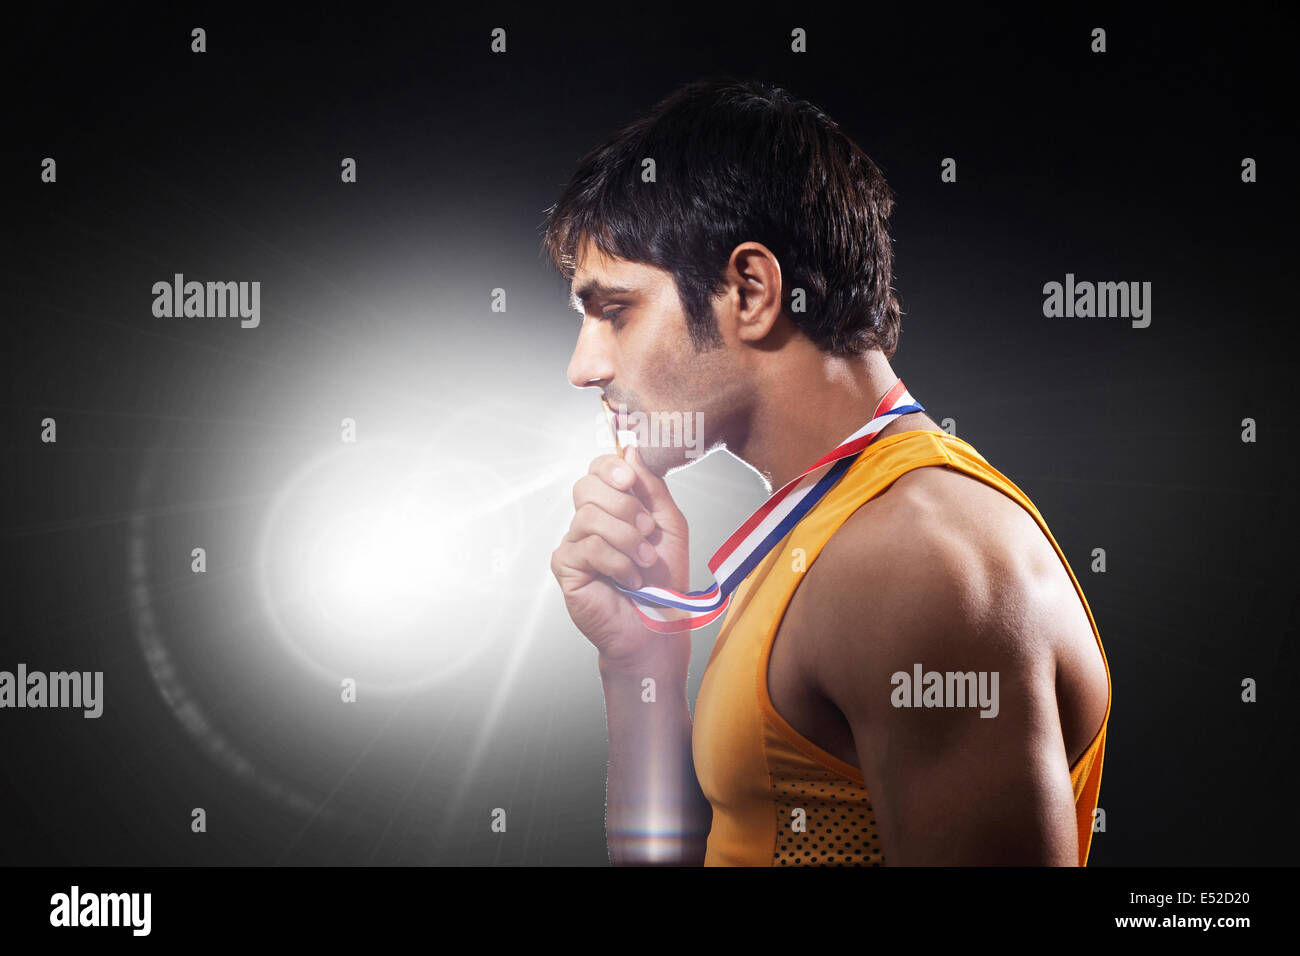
[621,415]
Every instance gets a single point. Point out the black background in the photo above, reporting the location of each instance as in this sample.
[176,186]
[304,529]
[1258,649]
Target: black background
[1123,166]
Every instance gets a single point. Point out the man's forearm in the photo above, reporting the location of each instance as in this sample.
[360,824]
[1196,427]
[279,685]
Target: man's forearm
[655,811]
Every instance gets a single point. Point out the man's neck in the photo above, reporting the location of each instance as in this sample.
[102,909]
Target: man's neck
[807,406]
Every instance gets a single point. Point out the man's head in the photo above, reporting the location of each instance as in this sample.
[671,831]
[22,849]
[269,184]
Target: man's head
[762,224]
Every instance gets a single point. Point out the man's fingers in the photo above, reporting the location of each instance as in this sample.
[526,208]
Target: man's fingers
[649,487]
[614,471]
[590,519]
[601,556]
[629,474]
[592,488]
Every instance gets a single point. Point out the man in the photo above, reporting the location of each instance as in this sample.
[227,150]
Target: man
[910,674]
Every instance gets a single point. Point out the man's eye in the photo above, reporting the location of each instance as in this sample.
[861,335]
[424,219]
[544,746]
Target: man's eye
[612,314]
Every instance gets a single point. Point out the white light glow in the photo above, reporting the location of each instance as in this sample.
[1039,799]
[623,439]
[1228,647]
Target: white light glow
[386,563]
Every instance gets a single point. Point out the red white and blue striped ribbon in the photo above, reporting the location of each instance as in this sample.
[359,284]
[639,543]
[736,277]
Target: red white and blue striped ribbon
[669,612]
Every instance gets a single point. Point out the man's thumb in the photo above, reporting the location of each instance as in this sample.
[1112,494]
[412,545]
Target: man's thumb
[650,488]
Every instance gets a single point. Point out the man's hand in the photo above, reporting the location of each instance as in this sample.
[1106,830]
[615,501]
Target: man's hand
[626,528]
[655,813]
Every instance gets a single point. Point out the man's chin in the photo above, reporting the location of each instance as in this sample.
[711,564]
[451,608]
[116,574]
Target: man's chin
[664,461]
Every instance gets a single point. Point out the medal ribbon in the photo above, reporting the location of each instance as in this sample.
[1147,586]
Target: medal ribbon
[669,612]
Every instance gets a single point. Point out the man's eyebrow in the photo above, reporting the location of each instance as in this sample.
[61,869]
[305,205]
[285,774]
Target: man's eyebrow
[593,288]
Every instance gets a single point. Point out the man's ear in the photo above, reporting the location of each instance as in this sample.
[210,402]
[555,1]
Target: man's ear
[754,285]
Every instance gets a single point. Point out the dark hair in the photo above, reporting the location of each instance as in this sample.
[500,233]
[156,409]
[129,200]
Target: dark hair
[739,160]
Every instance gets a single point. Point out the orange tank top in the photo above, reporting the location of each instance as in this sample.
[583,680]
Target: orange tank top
[753,767]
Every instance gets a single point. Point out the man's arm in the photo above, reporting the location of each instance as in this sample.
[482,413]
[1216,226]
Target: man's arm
[949,786]
[656,814]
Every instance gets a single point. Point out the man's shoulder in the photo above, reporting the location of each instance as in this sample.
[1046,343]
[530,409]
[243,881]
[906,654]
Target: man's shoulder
[939,562]
[936,525]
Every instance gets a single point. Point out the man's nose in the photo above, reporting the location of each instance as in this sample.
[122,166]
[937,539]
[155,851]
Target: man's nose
[591,363]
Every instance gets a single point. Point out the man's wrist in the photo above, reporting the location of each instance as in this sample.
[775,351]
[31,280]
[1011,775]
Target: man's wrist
[664,664]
